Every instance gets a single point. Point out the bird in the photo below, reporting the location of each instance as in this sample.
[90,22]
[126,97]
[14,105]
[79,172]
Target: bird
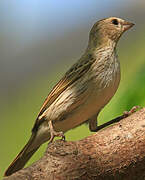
[82,92]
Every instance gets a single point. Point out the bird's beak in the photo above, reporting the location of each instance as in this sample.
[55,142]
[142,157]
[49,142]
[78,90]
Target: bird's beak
[127,25]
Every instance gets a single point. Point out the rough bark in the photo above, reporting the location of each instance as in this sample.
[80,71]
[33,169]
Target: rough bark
[116,152]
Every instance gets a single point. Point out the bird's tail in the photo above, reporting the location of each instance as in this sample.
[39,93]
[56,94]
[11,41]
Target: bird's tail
[22,158]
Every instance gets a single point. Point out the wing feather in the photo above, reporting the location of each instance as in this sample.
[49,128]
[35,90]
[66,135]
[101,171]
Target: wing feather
[77,71]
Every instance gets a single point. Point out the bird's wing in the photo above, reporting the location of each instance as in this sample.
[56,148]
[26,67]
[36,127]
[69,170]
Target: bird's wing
[77,71]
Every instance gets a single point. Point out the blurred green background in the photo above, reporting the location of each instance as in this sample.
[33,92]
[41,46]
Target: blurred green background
[39,41]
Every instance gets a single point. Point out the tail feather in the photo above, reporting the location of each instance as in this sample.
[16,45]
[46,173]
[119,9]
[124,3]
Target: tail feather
[22,158]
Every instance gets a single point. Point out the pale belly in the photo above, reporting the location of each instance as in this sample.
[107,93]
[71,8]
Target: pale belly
[92,104]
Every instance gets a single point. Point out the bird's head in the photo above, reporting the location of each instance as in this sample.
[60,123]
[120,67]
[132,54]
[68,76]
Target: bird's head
[109,29]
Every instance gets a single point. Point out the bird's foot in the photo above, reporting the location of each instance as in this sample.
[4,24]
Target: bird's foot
[57,134]
[131,111]
[54,134]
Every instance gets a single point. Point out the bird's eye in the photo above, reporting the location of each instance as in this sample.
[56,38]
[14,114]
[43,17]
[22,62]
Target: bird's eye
[115,22]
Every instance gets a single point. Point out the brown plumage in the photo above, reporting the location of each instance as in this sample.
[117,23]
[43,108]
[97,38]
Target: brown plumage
[82,92]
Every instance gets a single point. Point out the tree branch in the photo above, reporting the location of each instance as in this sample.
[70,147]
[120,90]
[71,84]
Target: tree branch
[116,152]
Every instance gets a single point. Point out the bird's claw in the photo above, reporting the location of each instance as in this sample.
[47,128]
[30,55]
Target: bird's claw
[131,111]
[56,134]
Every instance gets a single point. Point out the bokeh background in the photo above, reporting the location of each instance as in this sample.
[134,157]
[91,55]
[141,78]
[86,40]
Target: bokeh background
[39,41]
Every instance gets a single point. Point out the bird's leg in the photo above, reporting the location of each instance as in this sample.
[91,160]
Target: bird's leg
[54,134]
[93,121]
